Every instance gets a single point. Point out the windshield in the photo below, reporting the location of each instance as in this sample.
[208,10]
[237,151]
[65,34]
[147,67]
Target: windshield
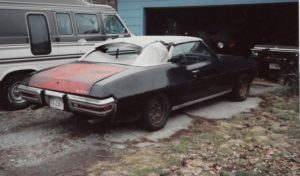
[130,54]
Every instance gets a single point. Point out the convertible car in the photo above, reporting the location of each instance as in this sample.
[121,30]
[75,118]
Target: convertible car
[141,78]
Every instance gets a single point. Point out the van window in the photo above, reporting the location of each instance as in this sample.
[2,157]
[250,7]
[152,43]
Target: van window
[39,34]
[12,23]
[64,24]
[113,25]
[87,24]
[13,28]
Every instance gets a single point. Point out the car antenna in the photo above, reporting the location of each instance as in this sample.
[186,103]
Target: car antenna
[117,54]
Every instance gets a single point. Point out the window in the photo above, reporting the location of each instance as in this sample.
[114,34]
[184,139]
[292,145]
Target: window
[87,24]
[193,52]
[121,53]
[39,34]
[64,24]
[12,23]
[113,25]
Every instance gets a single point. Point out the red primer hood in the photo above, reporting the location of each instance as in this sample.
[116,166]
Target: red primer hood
[77,78]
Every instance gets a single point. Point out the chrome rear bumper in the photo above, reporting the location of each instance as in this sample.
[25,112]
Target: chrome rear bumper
[73,103]
[97,107]
[31,94]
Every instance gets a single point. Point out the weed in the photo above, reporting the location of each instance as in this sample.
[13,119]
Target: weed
[173,160]
[180,148]
[279,130]
[241,173]
[145,171]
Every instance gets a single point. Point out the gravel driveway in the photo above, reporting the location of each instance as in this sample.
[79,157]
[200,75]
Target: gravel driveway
[50,142]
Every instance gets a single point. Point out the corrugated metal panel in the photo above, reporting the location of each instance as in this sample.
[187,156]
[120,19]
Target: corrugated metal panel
[132,11]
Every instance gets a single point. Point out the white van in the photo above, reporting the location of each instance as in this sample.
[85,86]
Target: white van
[37,34]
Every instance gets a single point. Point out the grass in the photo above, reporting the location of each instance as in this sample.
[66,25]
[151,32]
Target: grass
[146,171]
[262,142]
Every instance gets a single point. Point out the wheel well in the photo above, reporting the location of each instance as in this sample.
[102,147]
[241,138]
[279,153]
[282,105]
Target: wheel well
[19,72]
[251,74]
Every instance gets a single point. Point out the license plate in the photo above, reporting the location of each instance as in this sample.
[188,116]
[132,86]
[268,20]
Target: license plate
[274,66]
[56,103]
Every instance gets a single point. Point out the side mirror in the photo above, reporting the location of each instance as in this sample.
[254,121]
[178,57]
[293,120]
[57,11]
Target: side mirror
[125,32]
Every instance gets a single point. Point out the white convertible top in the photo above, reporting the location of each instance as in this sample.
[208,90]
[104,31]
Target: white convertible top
[143,41]
[153,51]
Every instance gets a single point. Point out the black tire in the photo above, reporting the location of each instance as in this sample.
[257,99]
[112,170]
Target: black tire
[9,92]
[241,88]
[156,113]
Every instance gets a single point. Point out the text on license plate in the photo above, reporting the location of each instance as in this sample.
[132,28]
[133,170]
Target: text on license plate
[56,103]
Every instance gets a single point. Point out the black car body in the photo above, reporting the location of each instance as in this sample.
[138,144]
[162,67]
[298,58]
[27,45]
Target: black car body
[141,77]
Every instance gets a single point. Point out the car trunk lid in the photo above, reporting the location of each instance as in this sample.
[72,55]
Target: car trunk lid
[76,78]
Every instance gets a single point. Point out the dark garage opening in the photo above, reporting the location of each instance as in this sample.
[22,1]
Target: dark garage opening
[238,28]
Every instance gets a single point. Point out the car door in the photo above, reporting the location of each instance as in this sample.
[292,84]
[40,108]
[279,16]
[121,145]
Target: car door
[204,70]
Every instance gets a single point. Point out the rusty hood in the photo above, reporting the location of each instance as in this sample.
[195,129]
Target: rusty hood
[77,77]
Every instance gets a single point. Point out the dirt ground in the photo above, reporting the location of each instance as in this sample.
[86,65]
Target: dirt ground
[257,137]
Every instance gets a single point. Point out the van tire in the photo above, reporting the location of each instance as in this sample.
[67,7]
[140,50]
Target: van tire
[10,95]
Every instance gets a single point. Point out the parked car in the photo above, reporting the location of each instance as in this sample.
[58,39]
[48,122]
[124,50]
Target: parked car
[142,78]
[279,63]
[37,34]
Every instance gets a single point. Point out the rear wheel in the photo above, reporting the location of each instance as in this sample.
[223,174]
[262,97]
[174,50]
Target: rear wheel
[156,113]
[241,88]
[10,93]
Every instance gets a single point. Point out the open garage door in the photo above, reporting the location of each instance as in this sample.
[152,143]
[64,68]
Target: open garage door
[236,28]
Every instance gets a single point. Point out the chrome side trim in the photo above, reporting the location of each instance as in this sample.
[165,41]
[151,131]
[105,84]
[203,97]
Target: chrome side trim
[200,100]
[32,91]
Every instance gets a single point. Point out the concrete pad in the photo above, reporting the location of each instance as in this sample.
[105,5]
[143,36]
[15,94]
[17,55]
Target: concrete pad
[175,123]
[222,109]
[261,87]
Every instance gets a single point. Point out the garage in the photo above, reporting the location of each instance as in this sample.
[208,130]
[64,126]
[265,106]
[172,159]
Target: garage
[235,28]
[235,25]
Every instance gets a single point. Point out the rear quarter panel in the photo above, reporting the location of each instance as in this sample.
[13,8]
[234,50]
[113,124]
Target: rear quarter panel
[134,87]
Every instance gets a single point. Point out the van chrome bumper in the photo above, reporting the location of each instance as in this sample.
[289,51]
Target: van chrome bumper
[92,106]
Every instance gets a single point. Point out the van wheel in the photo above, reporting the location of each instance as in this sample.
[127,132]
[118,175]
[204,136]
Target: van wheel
[156,113]
[241,88]
[11,95]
